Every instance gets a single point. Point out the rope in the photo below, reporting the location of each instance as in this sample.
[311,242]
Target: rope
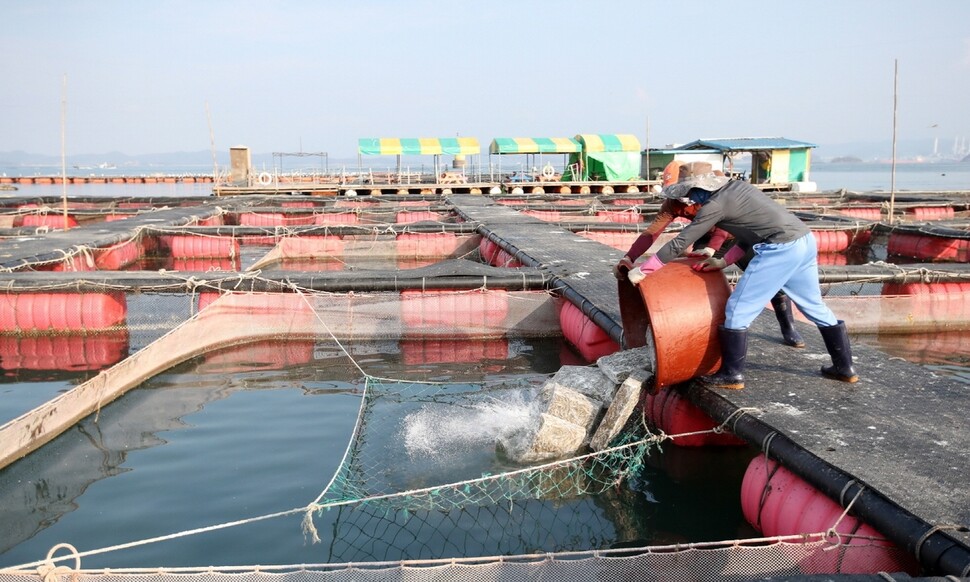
[933,530]
[316,506]
[736,415]
[832,530]
[800,539]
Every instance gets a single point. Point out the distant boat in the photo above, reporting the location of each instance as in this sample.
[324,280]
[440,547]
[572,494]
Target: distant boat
[107,166]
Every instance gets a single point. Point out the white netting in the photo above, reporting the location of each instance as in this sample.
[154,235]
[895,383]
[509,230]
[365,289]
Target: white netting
[735,560]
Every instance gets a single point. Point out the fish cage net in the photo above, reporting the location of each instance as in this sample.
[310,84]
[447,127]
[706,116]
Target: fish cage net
[735,560]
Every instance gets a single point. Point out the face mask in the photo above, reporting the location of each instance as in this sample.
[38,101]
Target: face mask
[699,196]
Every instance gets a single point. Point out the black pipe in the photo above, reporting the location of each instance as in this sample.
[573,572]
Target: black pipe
[923,229]
[183,281]
[938,552]
[335,229]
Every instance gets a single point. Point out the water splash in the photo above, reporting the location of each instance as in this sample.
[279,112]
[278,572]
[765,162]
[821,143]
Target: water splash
[440,432]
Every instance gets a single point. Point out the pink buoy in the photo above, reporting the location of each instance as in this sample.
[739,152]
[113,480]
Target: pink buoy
[274,219]
[442,312]
[336,218]
[118,256]
[205,264]
[589,339]
[427,244]
[188,246]
[61,311]
[410,216]
[669,411]
[779,503]
[51,221]
[620,216]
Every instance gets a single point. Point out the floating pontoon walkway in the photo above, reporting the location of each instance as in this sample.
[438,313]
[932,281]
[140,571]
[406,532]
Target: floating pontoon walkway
[897,443]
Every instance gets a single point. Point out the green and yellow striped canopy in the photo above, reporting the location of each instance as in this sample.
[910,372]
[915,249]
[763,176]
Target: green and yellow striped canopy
[534,145]
[419,146]
[609,142]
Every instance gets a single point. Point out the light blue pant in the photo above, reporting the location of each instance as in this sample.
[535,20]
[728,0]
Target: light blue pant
[791,267]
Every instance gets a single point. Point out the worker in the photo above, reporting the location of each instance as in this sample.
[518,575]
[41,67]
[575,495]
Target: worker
[704,247]
[784,257]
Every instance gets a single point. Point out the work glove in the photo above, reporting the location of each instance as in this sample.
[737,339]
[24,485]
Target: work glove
[621,269]
[710,264]
[637,275]
[701,253]
[714,264]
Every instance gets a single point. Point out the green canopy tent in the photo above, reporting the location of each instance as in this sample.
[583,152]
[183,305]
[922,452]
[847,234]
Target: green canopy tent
[531,147]
[423,146]
[604,157]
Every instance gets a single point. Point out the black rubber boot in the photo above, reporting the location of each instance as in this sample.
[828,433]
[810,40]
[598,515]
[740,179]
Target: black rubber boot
[837,343]
[786,320]
[734,348]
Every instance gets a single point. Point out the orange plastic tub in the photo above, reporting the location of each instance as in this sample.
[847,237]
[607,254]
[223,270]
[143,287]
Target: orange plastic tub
[684,308]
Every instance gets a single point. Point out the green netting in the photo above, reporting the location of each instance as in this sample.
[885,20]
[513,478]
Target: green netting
[394,481]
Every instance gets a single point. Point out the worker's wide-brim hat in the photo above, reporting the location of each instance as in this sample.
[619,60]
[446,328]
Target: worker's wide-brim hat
[695,175]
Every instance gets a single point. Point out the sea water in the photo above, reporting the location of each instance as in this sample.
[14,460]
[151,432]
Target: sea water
[214,441]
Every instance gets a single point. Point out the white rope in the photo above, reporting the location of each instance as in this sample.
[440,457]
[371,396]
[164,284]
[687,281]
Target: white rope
[814,539]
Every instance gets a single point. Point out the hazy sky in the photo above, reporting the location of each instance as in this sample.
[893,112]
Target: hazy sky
[318,75]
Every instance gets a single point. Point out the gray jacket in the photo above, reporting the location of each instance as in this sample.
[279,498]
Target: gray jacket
[746,213]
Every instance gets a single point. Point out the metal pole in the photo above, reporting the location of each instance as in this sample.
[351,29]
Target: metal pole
[646,147]
[64,148]
[212,145]
[892,183]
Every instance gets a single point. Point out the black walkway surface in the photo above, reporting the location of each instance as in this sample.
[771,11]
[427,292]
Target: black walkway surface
[901,432]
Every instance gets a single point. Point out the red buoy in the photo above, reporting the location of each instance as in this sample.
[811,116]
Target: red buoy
[488,249]
[437,245]
[51,221]
[831,241]
[926,246]
[873,213]
[589,339]
[669,411]
[619,216]
[274,219]
[119,255]
[779,503]
[452,313]
[927,213]
[61,311]
[188,246]
[337,218]
[409,216]
[205,264]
